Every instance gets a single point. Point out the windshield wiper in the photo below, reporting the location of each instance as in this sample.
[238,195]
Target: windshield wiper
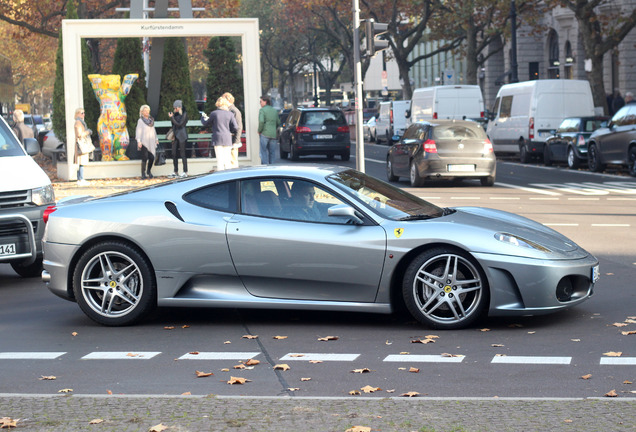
[415,217]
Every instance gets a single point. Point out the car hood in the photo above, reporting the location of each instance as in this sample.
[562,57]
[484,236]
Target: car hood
[21,172]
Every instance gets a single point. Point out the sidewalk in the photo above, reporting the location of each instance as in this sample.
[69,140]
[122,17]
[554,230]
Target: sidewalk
[218,413]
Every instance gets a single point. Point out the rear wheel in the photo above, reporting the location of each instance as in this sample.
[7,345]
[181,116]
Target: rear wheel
[547,161]
[632,161]
[414,176]
[487,181]
[345,156]
[593,159]
[523,152]
[114,284]
[573,161]
[283,153]
[445,288]
[389,171]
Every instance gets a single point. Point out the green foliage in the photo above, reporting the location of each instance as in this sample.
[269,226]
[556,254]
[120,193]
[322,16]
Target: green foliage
[175,81]
[58,115]
[91,104]
[223,72]
[129,59]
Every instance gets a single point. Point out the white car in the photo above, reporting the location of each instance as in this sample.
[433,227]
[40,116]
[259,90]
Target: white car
[53,147]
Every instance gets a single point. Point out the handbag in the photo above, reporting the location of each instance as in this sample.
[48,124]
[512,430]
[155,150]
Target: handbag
[161,156]
[170,135]
[85,145]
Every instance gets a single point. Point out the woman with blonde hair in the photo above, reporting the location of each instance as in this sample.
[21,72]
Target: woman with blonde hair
[223,126]
[147,140]
[81,130]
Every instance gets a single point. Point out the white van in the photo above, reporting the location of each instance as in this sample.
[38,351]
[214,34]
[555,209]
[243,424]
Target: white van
[391,120]
[525,114]
[25,192]
[458,102]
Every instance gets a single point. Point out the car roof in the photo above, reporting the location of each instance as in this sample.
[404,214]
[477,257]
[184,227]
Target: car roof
[443,122]
[318,109]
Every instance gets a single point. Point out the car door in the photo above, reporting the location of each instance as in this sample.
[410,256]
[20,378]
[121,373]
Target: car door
[287,130]
[282,257]
[402,150]
[623,129]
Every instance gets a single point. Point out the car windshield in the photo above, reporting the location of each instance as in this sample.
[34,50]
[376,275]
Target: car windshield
[384,199]
[9,145]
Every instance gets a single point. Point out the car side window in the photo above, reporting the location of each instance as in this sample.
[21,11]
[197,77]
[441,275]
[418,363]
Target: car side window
[260,197]
[506,107]
[411,132]
[221,197]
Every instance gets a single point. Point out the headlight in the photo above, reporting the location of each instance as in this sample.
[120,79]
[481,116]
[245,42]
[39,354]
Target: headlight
[42,196]
[519,241]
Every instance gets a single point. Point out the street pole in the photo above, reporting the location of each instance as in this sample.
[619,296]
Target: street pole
[514,76]
[358,84]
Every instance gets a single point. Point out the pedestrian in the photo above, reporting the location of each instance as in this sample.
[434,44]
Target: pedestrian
[268,122]
[610,102]
[629,98]
[239,124]
[81,131]
[618,101]
[147,141]
[21,130]
[179,119]
[223,126]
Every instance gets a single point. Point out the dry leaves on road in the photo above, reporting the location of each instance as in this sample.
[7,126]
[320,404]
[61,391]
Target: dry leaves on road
[203,374]
[47,377]
[611,393]
[359,429]
[423,341]
[414,370]
[66,390]
[238,380]
[613,354]
[363,370]
[96,421]
[410,394]
[252,362]
[158,428]
[370,389]
[328,338]
[279,337]
[586,377]
[249,337]
[630,332]
[282,366]
[8,422]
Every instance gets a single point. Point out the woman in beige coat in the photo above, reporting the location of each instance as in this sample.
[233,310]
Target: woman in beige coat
[81,130]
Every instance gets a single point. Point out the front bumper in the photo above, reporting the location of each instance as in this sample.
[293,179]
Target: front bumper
[18,229]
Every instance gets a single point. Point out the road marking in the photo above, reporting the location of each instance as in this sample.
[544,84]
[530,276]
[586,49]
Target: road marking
[574,188]
[466,198]
[505,198]
[531,360]
[121,355]
[404,358]
[527,189]
[30,355]
[583,199]
[219,356]
[319,357]
[561,224]
[621,199]
[618,360]
[544,199]
[610,225]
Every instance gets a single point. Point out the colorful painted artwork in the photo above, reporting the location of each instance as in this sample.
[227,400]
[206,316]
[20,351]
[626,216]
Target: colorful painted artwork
[111,126]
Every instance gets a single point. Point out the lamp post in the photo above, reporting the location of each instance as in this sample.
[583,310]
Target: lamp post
[514,77]
[358,86]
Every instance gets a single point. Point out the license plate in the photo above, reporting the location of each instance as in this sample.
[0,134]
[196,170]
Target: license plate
[326,136]
[461,168]
[7,249]
[595,273]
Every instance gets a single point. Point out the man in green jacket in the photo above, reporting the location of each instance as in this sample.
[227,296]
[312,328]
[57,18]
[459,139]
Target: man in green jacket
[268,122]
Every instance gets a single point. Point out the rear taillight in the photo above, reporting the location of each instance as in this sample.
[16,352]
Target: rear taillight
[47,212]
[488,146]
[391,116]
[581,141]
[531,128]
[435,116]
[344,128]
[481,114]
[302,129]
[429,146]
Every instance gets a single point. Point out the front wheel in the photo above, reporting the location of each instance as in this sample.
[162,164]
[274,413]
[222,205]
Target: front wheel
[593,159]
[524,157]
[389,171]
[547,160]
[573,161]
[445,289]
[487,181]
[114,285]
[631,160]
[414,176]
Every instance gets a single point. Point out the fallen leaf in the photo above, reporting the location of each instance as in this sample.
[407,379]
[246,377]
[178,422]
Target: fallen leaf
[168,328]
[620,324]
[531,332]
[250,337]
[297,355]
[364,370]
[410,394]
[586,377]
[613,354]
[158,428]
[282,366]
[225,370]
[500,355]
[484,330]
[67,390]
[203,374]
[575,340]
[132,355]
[354,392]
[315,361]
[631,332]
[252,362]
[110,392]
[451,355]
[74,334]
[627,382]
[632,318]
[239,366]
[497,345]
[422,341]
[611,393]
[8,422]
[293,388]
[567,421]
[305,379]
[515,325]
[328,338]
[185,326]
[391,391]
[96,421]
[49,377]
[279,337]
[401,368]
[369,389]
[194,352]
[431,337]
[227,342]
[359,429]
[388,343]
[405,353]
[238,380]
[414,370]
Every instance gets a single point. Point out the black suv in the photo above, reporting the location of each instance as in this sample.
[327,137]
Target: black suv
[315,131]
[615,144]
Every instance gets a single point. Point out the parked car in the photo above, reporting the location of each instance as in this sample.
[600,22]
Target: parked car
[442,149]
[616,143]
[525,114]
[391,120]
[232,239]
[569,142]
[315,131]
[52,147]
[369,130]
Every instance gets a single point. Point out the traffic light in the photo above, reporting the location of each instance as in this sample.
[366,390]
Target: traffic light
[375,39]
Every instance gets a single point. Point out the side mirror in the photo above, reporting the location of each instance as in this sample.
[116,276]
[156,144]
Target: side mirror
[407,113]
[345,211]
[32,147]
[395,138]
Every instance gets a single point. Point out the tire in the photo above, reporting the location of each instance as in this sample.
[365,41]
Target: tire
[593,162]
[547,161]
[28,271]
[293,153]
[631,160]
[345,156]
[487,181]
[283,153]
[524,157]
[573,161]
[388,138]
[389,171]
[445,288]
[414,176]
[114,284]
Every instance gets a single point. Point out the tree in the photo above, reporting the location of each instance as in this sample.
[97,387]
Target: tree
[129,59]
[175,80]
[223,72]
[600,33]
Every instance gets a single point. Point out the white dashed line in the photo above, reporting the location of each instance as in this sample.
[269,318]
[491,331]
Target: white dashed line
[561,224]
[531,360]
[610,225]
[219,356]
[30,355]
[121,355]
[618,361]
[319,357]
[404,358]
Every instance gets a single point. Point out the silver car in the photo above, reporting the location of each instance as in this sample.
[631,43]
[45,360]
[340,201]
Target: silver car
[306,237]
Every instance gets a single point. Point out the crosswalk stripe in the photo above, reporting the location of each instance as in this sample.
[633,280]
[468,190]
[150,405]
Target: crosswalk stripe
[219,356]
[405,358]
[618,361]
[30,355]
[121,355]
[531,360]
[319,357]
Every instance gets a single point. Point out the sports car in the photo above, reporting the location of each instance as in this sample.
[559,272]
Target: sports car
[305,237]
